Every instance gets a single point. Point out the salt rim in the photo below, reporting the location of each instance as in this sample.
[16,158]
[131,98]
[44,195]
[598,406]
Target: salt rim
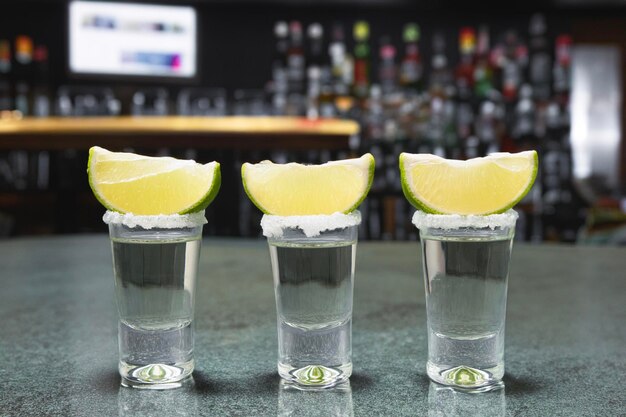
[274,226]
[423,220]
[160,221]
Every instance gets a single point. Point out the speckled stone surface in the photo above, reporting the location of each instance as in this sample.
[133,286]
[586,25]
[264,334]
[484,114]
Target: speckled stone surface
[565,342]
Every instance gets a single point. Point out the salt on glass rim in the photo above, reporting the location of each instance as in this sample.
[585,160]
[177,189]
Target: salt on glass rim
[160,221]
[273,226]
[423,220]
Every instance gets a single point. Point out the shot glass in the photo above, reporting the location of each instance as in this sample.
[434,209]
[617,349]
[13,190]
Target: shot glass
[466,269]
[155,264]
[313,261]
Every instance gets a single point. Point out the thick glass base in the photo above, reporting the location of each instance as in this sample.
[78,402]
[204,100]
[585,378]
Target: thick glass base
[466,378]
[315,377]
[157,376]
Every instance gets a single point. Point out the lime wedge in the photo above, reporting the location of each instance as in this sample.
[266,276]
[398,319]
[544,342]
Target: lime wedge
[480,186]
[295,189]
[143,185]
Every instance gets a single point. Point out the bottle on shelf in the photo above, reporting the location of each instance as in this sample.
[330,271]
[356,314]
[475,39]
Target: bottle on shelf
[464,82]
[440,75]
[41,87]
[483,72]
[562,87]
[514,61]
[374,117]
[539,72]
[539,60]
[450,139]
[318,72]
[6,100]
[387,69]
[524,119]
[361,81]
[465,130]
[295,70]
[436,126]
[411,70]
[488,127]
[315,52]
[23,74]
[464,73]
[562,68]
[342,71]
[279,68]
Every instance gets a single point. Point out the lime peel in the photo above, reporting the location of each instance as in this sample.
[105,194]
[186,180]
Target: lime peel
[479,186]
[142,185]
[296,189]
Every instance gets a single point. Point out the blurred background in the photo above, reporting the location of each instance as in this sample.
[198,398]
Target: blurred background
[457,79]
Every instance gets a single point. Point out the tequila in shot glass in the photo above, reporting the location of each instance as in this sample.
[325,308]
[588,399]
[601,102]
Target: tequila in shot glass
[466,268]
[313,260]
[155,264]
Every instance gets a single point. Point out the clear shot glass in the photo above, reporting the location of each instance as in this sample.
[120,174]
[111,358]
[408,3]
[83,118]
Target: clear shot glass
[313,260]
[466,269]
[155,264]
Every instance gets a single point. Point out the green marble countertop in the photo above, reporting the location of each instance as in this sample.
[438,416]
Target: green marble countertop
[565,342]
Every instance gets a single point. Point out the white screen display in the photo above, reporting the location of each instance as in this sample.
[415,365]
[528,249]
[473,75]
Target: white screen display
[132,39]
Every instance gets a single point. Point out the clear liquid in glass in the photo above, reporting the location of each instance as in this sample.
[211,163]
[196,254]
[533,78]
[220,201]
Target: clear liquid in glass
[154,281]
[466,287]
[314,284]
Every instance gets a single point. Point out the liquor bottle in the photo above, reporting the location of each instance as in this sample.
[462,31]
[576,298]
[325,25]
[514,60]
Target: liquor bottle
[341,65]
[511,66]
[23,73]
[464,74]
[483,73]
[558,122]
[41,88]
[539,72]
[318,72]
[313,60]
[39,162]
[411,67]
[488,127]
[326,102]
[436,126]
[387,70]
[440,75]
[374,116]
[558,193]
[279,67]
[361,33]
[315,54]
[341,69]
[295,59]
[464,128]
[562,68]
[337,52]
[450,139]
[6,101]
[341,62]
[524,118]
[540,65]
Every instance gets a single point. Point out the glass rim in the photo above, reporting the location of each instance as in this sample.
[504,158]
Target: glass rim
[424,221]
[311,225]
[159,221]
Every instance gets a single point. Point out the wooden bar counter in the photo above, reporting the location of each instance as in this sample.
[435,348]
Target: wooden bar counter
[289,133]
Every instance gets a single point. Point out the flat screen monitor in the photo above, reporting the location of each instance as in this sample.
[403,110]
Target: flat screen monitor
[132,39]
